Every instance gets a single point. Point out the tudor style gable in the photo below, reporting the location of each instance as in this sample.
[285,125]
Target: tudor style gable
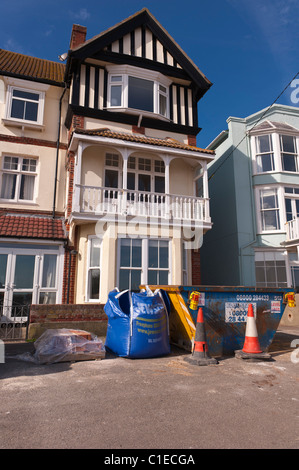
[134,73]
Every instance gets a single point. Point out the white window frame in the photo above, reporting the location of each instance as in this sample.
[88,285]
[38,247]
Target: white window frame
[126,71]
[89,268]
[294,154]
[294,197]
[19,172]
[144,257]
[29,87]
[279,208]
[276,151]
[152,172]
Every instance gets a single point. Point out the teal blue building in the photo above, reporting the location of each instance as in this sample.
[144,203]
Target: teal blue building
[254,202]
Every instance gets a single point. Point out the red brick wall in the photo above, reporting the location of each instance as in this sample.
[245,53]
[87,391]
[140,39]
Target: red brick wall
[196,274]
[78,35]
[192,140]
[63,313]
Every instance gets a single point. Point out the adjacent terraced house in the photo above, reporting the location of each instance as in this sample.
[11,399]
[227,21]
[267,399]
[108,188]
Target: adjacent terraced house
[101,182]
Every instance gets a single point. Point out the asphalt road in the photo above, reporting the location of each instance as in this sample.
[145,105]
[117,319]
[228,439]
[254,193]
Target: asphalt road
[161,403]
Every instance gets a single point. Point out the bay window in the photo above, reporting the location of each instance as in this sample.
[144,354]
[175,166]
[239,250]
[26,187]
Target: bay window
[135,90]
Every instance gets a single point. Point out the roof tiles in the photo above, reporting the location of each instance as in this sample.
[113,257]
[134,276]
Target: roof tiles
[25,226]
[16,64]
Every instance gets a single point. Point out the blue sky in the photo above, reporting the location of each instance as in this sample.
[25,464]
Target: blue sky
[248,49]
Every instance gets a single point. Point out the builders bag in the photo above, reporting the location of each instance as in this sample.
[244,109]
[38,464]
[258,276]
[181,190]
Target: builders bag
[138,323]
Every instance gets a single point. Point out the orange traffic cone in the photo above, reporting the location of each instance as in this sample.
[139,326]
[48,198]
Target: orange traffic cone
[200,356]
[251,348]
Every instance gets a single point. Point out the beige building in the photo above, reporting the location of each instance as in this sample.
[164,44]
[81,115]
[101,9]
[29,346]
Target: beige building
[122,168]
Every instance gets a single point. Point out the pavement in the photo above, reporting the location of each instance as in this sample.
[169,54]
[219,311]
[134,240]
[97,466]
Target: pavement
[160,403]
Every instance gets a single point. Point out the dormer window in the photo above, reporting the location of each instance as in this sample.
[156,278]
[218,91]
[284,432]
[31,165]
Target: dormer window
[138,91]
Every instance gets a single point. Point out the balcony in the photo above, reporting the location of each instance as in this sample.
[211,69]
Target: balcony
[93,201]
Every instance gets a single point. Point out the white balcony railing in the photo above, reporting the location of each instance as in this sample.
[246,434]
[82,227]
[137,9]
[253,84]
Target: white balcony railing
[292,229]
[98,200]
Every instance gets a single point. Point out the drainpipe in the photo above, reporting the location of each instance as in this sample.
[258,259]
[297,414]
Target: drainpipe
[57,150]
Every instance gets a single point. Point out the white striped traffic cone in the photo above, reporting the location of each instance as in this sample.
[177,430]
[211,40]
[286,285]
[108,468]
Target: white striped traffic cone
[251,348]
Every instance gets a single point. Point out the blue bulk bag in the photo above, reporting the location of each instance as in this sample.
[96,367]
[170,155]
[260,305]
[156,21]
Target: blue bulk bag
[138,323]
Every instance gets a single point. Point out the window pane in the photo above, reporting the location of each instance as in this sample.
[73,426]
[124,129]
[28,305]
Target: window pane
[287,143]
[135,279]
[131,181]
[131,163]
[47,298]
[112,159]
[297,207]
[49,271]
[162,105]
[159,184]
[144,164]
[26,95]
[141,94]
[288,204]
[153,254]
[94,283]
[116,78]
[10,163]
[199,187]
[288,162]
[260,274]
[31,111]
[144,183]
[265,162]
[163,277]
[268,200]
[136,253]
[18,109]
[27,187]
[95,245]
[164,254]
[24,271]
[271,220]
[111,179]
[264,143]
[8,186]
[124,279]
[152,277]
[125,252]
[116,91]
[3,263]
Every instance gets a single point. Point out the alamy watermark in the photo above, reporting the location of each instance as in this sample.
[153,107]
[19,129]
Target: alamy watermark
[295,92]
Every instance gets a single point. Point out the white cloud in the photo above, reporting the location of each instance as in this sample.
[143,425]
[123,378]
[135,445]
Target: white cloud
[82,14]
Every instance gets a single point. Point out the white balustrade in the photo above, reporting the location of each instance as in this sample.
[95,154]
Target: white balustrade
[98,200]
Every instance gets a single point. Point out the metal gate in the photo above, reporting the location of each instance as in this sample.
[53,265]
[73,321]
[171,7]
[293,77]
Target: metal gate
[14,326]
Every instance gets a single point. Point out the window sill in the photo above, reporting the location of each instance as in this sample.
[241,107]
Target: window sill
[15,201]
[138,112]
[23,124]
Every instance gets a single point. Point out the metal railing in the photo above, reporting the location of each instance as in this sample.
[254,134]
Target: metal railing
[14,322]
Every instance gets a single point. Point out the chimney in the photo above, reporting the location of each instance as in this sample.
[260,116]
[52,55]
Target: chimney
[78,35]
